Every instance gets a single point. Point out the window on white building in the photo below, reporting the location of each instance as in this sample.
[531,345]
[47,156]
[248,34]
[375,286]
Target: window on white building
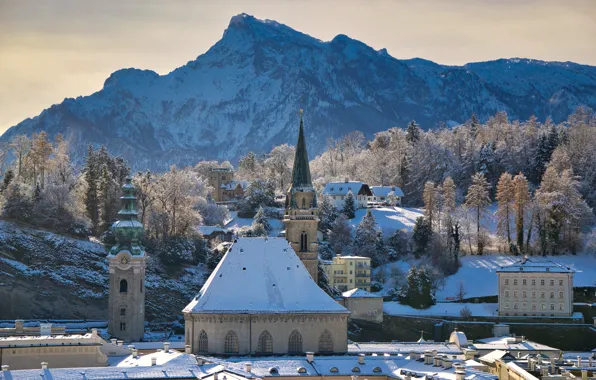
[561,306]
[524,294]
[524,282]
[552,282]
[515,281]
[560,282]
[552,295]
[560,294]
[541,282]
[533,294]
[506,293]
[543,306]
[506,281]
[515,293]
[533,306]
[552,306]
[506,305]
[533,282]
[515,305]
[542,295]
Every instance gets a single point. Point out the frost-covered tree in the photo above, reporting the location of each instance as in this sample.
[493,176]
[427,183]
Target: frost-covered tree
[278,165]
[449,203]
[327,213]
[349,208]
[20,145]
[431,202]
[505,196]
[413,132]
[421,236]
[478,199]
[261,218]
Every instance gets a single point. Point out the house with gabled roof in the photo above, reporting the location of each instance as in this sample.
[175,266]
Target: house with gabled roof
[337,192]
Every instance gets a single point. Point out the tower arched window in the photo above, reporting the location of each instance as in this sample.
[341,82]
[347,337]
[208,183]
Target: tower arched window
[265,345]
[231,343]
[303,202]
[123,286]
[326,342]
[295,343]
[203,342]
[303,242]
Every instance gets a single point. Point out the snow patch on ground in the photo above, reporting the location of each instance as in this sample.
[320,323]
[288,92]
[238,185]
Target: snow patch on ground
[390,219]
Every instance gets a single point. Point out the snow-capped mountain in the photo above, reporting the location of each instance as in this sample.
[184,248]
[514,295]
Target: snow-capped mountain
[244,94]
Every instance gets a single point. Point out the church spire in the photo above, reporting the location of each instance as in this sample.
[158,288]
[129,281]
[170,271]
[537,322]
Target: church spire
[301,172]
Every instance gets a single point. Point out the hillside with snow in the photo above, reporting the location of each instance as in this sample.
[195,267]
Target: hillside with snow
[46,275]
[243,94]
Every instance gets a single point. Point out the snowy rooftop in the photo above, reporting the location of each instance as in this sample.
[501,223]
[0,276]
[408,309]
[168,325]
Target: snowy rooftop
[52,340]
[403,348]
[342,188]
[507,343]
[359,293]
[261,275]
[383,191]
[391,366]
[179,366]
[234,184]
[536,265]
[208,230]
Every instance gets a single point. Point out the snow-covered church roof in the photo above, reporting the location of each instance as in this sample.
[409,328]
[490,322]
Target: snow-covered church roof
[261,275]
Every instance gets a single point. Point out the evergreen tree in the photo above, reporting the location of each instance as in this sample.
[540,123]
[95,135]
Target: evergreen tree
[413,133]
[398,244]
[261,218]
[105,203]
[521,198]
[474,126]
[421,236]
[91,197]
[327,213]
[505,197]
[8,177]
[418,291]
[349,209]
[365,238]
[340,235]
[477,198]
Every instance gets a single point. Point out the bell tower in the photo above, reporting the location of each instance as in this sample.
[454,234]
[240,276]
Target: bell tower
[301,219]
[126,305]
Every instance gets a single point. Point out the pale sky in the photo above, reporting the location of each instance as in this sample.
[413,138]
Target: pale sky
[52,49]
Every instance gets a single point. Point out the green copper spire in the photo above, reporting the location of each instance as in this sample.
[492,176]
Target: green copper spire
[128,230]
[301,172]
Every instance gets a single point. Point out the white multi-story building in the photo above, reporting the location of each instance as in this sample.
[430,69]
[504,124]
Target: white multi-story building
[380,194]
[533,287]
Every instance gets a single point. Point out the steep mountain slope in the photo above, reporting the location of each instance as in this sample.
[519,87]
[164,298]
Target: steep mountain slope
[45,275]
[243,94]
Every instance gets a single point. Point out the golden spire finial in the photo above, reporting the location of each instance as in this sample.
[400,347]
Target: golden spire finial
[301,111]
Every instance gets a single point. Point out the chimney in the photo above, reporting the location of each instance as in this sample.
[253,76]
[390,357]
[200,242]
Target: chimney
[436,361]
[460,374]
[360,358]
[114,341]
[135,353]
[187,349]
[469,354]
[248,367]
[579,361]
[590,361]
[19,325]
[166,346]
[584,374]
[519,354]
[5,368]
[120,342]
[130,347]
[310,357]
[544,371]
[94,332]
[44,365]
[153,360]
[447,363]
[199,362]
[531,364]
[427,357]
[413,356]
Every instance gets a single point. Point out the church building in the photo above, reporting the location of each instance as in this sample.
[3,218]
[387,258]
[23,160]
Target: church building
[301,219]
[126,304]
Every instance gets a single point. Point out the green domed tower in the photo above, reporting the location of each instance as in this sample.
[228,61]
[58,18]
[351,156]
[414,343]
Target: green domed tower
[128,230]
[127,262]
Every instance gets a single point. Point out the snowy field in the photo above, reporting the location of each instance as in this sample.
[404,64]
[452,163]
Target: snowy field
[390,219]
[442,309]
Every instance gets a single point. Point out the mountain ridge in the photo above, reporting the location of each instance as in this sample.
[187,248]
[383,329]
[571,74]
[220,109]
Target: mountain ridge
[244,92]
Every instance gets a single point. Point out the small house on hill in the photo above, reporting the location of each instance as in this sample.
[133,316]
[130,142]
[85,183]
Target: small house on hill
[380,194]
[337,192]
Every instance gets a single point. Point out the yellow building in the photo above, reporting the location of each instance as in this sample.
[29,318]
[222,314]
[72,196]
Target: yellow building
[349,272]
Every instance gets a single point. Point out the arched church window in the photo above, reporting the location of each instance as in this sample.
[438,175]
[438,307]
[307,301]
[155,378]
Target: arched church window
[303,202]
[122,311]
[265,345]
[303,242]
[326,342]
[141,287]
[295,343]
[123,286]
[203,342]
[231,343]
